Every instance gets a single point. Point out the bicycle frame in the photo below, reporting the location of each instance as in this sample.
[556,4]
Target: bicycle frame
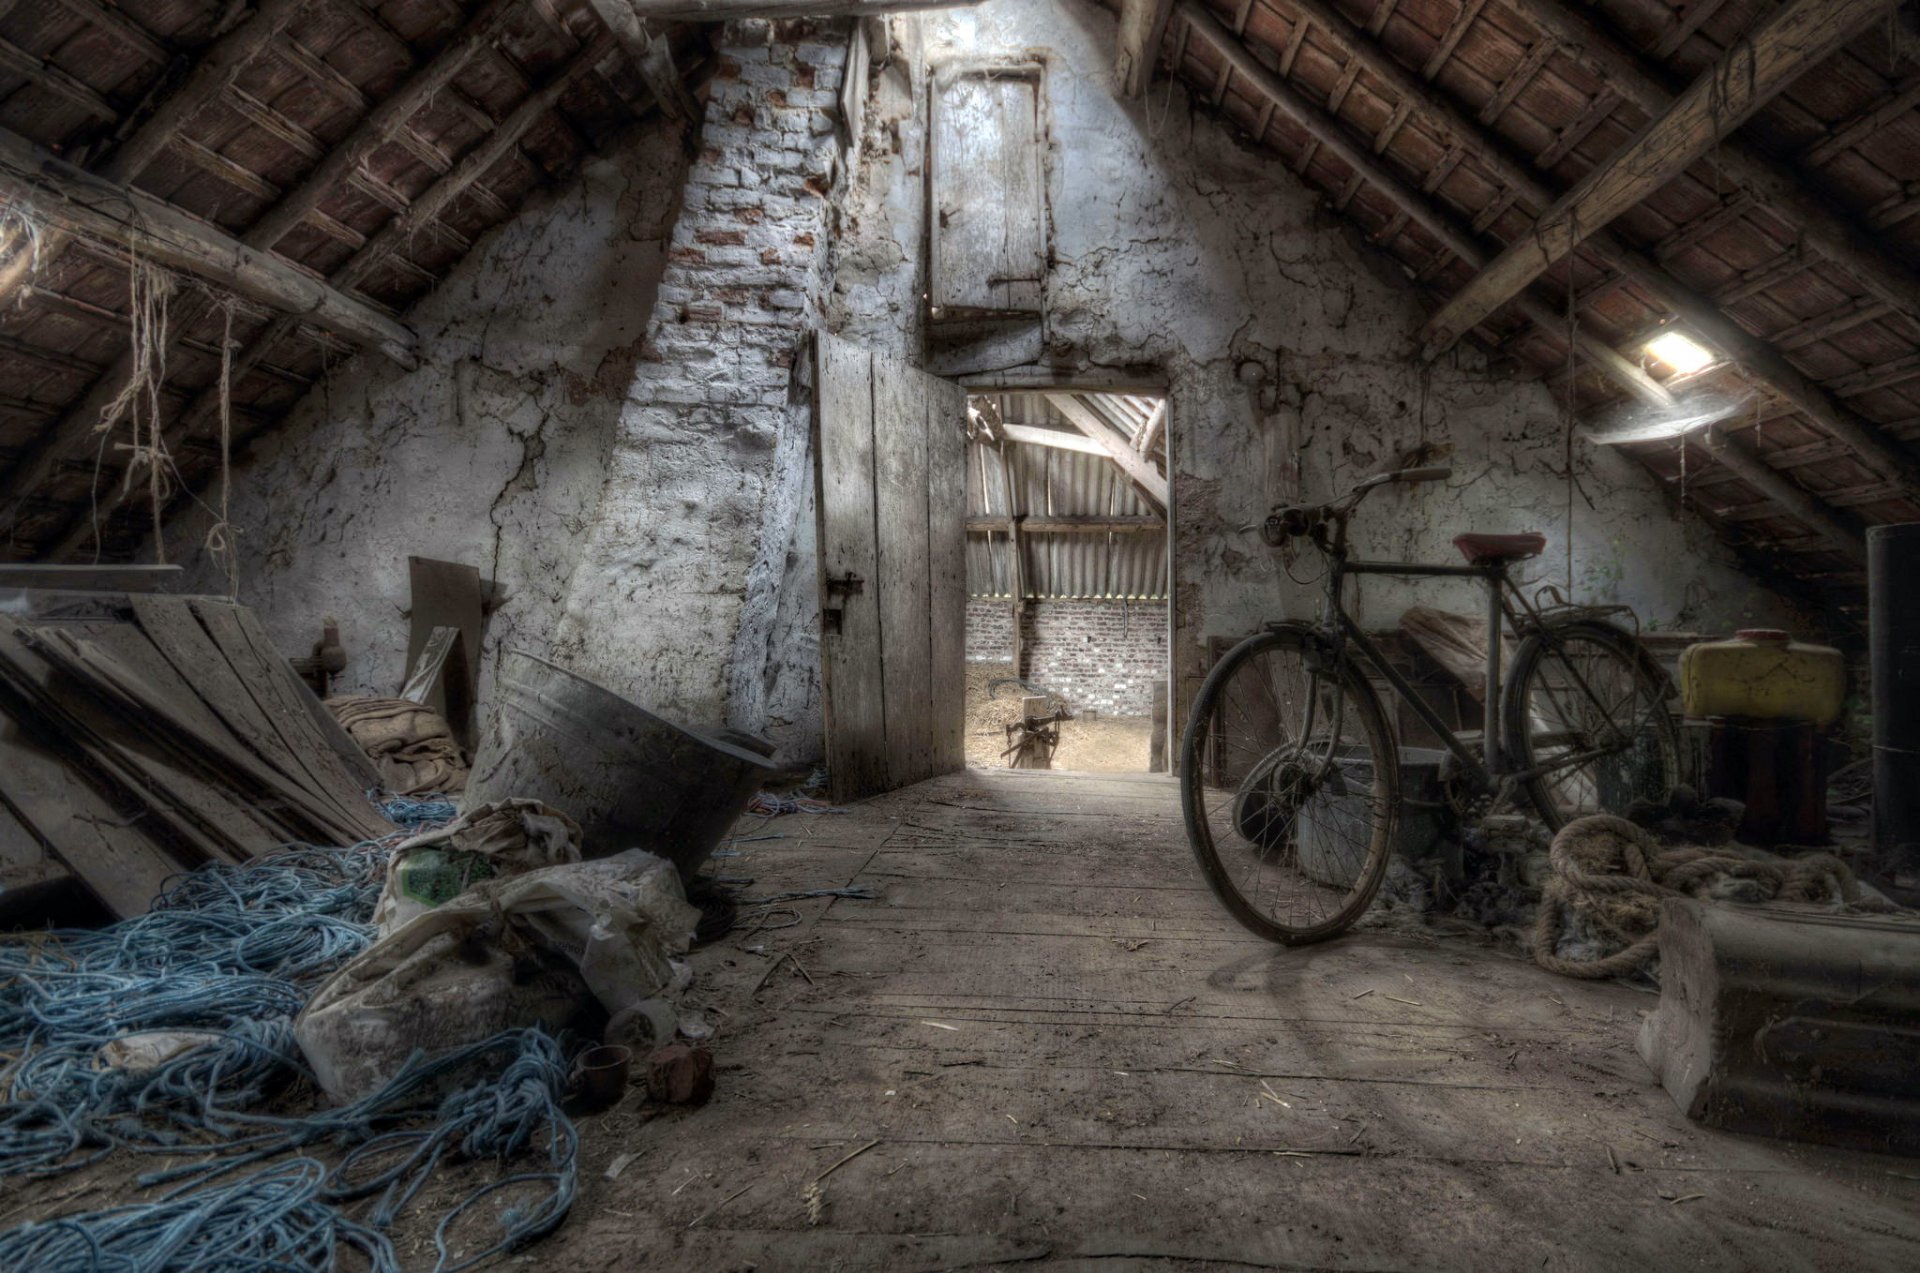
[1327,527]
[1486,768]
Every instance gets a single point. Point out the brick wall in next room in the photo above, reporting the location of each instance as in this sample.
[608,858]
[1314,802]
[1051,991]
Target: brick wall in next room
[1104,656]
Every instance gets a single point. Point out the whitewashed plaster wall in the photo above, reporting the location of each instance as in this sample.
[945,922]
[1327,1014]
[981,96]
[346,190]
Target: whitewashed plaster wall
[493,453]
[1183,255]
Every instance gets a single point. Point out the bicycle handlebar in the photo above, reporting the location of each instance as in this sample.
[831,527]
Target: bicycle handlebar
[1286,522]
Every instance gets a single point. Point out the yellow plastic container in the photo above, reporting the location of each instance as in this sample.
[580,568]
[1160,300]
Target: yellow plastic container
[1764,674]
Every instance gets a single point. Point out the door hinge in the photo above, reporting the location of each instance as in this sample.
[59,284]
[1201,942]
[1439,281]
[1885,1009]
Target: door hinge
[848,585]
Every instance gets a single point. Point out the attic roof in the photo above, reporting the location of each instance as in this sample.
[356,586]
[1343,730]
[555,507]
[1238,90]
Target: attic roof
[365,143]
[1445,129]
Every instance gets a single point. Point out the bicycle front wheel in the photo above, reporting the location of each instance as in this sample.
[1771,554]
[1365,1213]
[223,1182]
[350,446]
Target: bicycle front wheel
[1586,709]
[1290,782]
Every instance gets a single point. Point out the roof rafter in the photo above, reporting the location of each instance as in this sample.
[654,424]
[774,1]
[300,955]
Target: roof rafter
[1788,45]
[1139,470]
[1766,366]
[379,249]
[1823,231]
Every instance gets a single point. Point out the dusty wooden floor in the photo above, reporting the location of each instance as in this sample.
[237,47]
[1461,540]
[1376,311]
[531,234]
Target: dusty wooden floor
[1059,1049]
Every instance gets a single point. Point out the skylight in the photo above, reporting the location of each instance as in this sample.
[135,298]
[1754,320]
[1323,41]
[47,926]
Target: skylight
[1680,352]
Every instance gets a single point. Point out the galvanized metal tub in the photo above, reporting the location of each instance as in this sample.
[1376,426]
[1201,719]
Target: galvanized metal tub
[629,778]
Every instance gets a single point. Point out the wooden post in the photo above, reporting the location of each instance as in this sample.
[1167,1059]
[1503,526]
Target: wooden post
[78,203]
[1143,26]
[730,10]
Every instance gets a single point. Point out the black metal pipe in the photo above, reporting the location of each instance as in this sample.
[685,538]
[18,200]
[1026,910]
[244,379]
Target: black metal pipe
[1893,642]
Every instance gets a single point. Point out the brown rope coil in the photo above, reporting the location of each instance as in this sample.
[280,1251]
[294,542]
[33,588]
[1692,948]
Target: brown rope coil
[1612,874]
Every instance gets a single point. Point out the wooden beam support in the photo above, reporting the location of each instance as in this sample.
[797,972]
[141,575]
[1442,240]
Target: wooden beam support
[1805,508]
[393,236]
[211,74]
[1150,431]
[1327,131]
[1143,28]
[1139,470]
[1621,370]
[1784,48]
[1032,435]
[730,10]
[652,56]
[1822,230]
[81,204]
[382,124]
[1764,365]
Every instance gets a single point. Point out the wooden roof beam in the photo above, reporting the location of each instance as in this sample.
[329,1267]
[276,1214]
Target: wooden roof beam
[1060,440]
[1745,78]
[1326,130]
[1786,494]
[81,204]
[1143,28]
[1823,230]
[384,123]
[652,56]
[393,236]
[1763,364]
[211,74]
[1139,470]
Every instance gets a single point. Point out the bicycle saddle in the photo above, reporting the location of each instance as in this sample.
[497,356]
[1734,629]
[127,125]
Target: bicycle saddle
[1484,550]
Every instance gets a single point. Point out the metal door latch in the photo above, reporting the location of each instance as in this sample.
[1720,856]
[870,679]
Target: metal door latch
[849,585]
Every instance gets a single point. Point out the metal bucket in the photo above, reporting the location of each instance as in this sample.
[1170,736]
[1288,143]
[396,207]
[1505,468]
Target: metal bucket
[630,779]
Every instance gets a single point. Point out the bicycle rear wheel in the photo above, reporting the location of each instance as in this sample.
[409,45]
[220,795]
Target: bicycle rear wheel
[1587,704]
[1289,781]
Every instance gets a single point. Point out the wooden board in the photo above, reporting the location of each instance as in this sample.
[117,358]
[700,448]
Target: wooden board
[988,237]
[855,707]
[117,861]
[287,705]
[1130,1080]
[170,625]
[946,405]
[900,508]
[893,659]
[447,594]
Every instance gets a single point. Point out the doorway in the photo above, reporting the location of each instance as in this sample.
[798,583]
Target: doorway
[1068,581]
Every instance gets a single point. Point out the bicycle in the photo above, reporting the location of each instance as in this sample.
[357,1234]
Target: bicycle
[1290,770]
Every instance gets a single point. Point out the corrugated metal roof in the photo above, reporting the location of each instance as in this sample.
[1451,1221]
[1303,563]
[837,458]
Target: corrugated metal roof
[1049,482]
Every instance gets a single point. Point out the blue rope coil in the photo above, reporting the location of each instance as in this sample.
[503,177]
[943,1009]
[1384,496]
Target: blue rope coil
[235,951]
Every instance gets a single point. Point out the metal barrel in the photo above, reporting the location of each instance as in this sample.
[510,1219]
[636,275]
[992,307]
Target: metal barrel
[629,778]
[1893,641]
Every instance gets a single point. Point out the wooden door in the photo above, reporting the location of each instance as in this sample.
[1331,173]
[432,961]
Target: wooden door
[890,443]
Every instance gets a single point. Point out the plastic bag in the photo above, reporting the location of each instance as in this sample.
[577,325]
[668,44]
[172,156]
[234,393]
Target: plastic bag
[561,947]
[492,841]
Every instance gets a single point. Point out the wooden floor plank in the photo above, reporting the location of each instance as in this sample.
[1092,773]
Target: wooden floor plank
[1053,1044]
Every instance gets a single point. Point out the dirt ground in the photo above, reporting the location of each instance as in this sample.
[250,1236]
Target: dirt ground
[1104,744]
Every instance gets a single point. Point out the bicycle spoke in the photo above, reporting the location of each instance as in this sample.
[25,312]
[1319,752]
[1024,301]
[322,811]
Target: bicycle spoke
[1288,805]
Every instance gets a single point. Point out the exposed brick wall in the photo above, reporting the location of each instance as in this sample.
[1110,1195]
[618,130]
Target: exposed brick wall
[1103,655]
[686,596]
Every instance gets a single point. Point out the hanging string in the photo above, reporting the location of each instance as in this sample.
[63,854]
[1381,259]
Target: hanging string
[148,288]
[220,546]
[1682,442]
[1566,401]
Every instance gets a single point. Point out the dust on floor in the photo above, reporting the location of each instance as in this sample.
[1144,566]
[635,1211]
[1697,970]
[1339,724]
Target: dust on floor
[1045,1042]
[1096,744]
